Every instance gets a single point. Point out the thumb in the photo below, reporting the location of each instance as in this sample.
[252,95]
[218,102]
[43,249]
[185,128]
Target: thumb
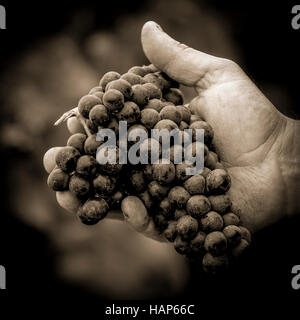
[183,64]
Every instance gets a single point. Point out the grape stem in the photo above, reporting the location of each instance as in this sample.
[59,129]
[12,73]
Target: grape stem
[82,121]
[71,113]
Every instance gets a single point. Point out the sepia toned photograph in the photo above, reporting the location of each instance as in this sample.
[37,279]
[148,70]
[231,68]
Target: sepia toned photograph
[150,157]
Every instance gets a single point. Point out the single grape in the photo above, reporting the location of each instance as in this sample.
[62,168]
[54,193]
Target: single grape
[172,113]
[153,91]
[79,186]
[178,196]
[216,243]
[104,185]
[211,221]
[87,166]
[220,203]
[140,95]
[68,201]
[113,100]
[91,145]
[58,180]
[49,159]
[166,208]
[163,173]
[121,85]
[66,158]
[108,77]
[174,95]
[197,243]
[185,113]
[157,191]
[77,141]
[99,115]
[208,131]
[197,206]
[130,113]
[74,125]
[233,234]
[86,103]
[138,70]
[195,185]
[181,245]
[155,104]
[132,78]
[218,181]
[137,180]
[231,218]
[149,118]
[187,227]
[92,211]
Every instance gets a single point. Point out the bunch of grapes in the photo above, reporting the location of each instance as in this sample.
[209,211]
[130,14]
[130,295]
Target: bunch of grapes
[191,211]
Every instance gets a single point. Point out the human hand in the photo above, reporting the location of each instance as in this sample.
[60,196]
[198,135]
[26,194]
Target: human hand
[256,143]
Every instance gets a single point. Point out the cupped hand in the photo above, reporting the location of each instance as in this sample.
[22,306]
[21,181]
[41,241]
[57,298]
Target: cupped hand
[256,143]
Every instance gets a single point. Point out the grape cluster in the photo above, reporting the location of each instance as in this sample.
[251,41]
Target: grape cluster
[192,212]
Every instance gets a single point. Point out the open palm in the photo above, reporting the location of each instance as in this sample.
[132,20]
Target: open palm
[253,139]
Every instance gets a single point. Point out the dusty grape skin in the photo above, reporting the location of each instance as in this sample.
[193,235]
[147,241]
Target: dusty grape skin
[79,186]
[77,141]
[140,95]
[178,213]
[149,118]
[181,245]
[104,185]
[154,104]
[99,95]
[148,171]
[132,78]
[92,126]
[197,206]
[240,249]
[113,100]
[96,89]
[218,181]
[170,233]
[233,235]
[172,113]
[99,115]
[92,211]
[74,126]
[155,79]
[213,265]
[153,91]
[174,95]
[215,243]
[220,203]
[211,221]
[130,113]
[197,243]
[146,198]
[208,131]
[180,171]
[246,235]
[140,71]
[87,166]
[91,145]
[108,77]
[187,227]
[138,181]
[86,103]
[157,191]
[231,219]
[166,208]
[58,180]
[185,114]
[66,158]
[121,85]
[178,196]
[163,173]
[195,184]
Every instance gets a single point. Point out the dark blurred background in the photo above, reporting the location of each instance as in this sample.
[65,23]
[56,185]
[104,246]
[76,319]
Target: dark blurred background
[51,54]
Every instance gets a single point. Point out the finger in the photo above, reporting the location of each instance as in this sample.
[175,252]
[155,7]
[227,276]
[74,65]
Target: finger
[136,215]
[181,63]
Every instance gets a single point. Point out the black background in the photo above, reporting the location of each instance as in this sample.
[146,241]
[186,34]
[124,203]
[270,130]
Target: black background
[271,51]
